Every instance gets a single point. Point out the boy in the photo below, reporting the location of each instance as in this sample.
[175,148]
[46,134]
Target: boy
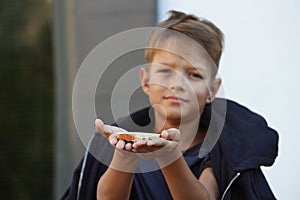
[181,84]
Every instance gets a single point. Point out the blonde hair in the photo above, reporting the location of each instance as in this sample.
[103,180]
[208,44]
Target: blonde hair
[201,30]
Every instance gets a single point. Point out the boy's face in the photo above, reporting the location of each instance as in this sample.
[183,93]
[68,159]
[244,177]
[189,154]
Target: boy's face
[177,89]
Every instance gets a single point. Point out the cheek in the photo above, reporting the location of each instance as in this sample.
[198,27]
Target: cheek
[158,83]
[158,80]
[200,93]
[156,89]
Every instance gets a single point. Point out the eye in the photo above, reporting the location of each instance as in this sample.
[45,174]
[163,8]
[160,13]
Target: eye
[195,75]
[164,70]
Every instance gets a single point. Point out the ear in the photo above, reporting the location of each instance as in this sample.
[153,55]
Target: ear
[214,87]
[144,77]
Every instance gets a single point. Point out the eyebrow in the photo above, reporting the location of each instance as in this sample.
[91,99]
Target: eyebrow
[165,63]
[189,66]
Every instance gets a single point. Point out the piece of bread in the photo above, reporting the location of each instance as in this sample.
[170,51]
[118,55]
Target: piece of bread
[133,136]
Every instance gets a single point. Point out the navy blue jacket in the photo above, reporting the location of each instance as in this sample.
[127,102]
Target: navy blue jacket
[246,143]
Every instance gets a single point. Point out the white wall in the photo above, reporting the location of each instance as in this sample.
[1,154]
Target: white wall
[260,69]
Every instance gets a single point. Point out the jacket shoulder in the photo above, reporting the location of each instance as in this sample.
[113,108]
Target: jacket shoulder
[246,139]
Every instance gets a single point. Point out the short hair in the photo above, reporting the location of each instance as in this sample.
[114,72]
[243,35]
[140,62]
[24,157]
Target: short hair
[200,30]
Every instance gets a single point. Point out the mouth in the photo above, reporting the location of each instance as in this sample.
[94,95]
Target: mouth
[176,99]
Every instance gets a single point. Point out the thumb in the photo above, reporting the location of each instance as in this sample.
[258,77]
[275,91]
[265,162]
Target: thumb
[171,134]
[100,127]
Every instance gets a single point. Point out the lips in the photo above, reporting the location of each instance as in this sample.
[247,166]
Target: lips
[176,99]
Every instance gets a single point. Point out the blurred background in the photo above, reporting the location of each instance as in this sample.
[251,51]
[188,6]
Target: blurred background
[44,42]
[26,99]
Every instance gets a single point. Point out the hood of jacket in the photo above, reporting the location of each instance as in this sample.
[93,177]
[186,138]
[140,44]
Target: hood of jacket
[246,140]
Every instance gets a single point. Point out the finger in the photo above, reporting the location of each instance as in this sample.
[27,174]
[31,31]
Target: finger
[107,130]
[113,139]
[120,144]
[102,128]
[99,124]
[157,142]
[139,143]
[171,134]
[128,146]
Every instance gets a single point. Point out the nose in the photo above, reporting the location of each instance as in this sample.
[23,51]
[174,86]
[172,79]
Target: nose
[177,81]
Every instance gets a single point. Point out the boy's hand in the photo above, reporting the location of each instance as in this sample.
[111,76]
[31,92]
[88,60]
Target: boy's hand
[110,133]
[169,139]
[122,160]
[165,149]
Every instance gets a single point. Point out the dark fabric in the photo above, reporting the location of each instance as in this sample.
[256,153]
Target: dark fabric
[246,143]
[92,172]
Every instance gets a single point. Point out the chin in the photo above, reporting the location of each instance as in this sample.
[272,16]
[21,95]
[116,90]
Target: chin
[176,116]
[173,115]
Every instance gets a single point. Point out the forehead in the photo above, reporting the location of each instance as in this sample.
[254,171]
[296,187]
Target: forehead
[174,50]
[185,48]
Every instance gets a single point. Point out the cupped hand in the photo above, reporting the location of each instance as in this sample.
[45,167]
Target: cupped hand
[110,132]
[169,139]
[164,147]
[122,160]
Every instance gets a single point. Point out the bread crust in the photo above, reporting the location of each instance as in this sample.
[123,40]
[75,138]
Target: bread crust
[133,136]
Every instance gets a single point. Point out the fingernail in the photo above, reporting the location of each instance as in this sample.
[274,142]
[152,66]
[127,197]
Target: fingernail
[165,133]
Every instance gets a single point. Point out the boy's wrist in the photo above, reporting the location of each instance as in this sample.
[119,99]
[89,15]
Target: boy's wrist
[124,161]
[166,159]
